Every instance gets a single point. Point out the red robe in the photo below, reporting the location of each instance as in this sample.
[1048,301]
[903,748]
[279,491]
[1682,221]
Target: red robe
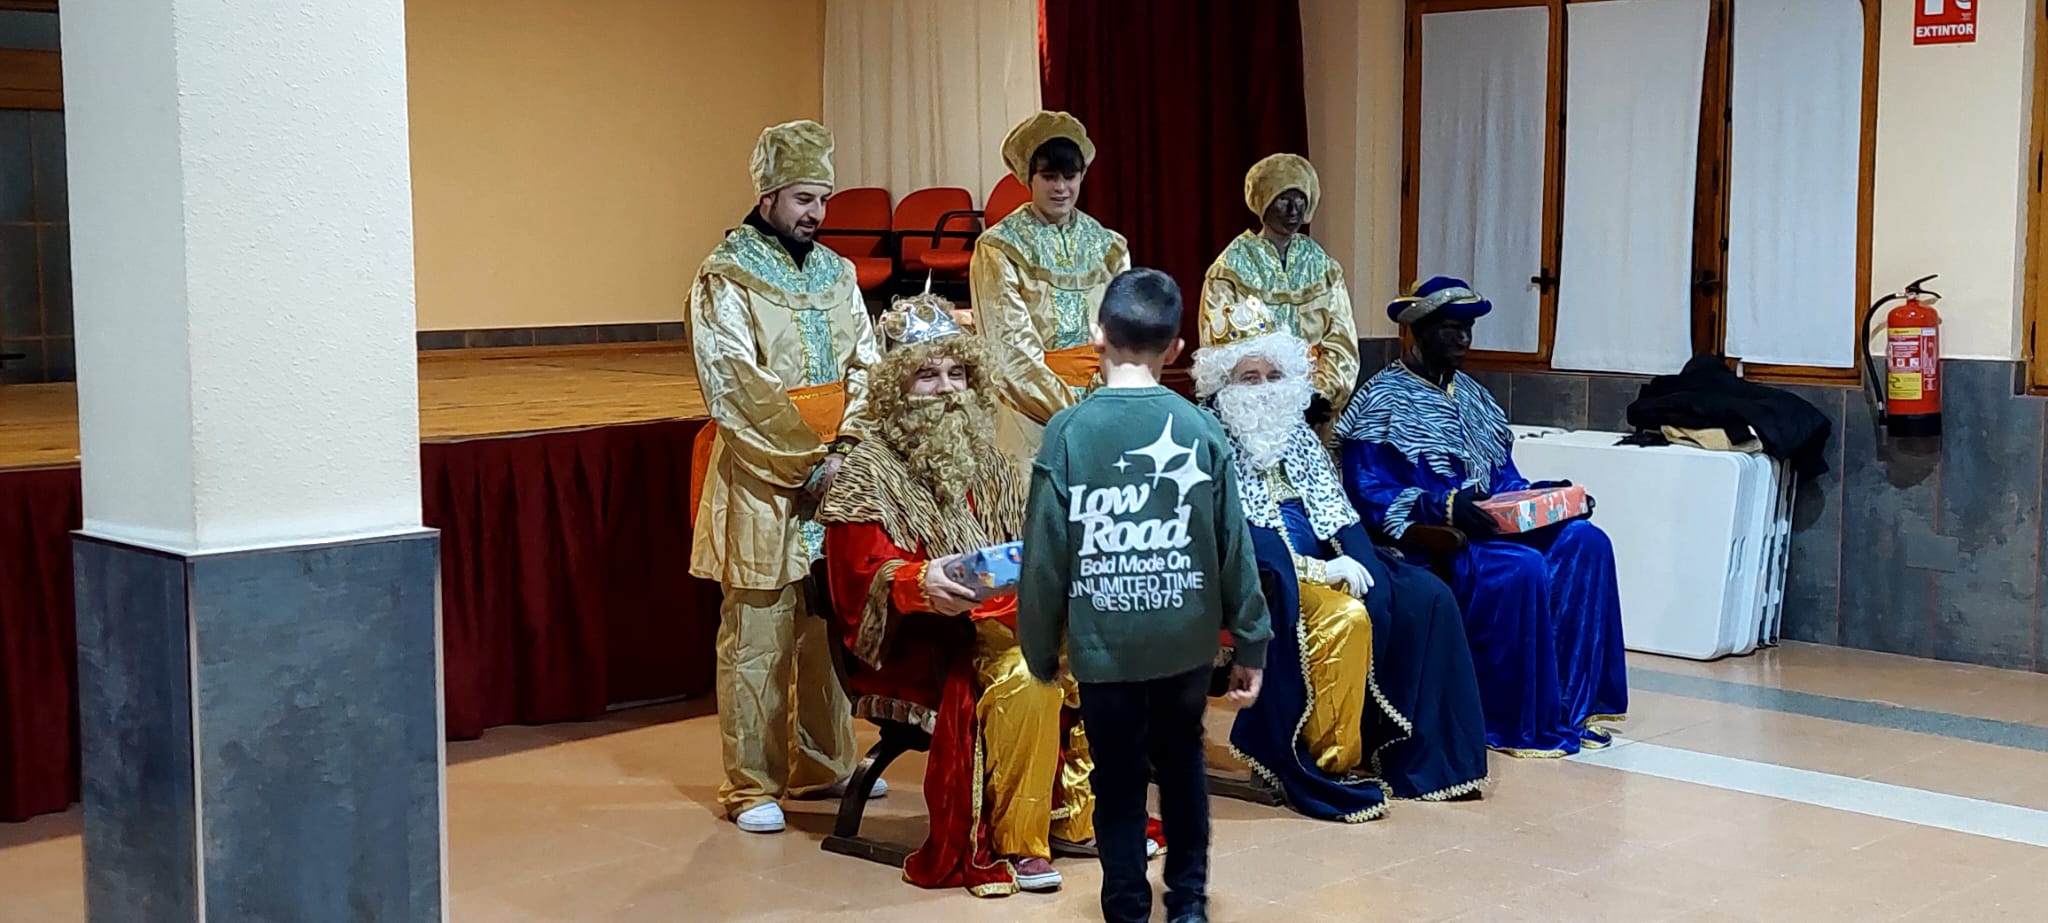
[926,676]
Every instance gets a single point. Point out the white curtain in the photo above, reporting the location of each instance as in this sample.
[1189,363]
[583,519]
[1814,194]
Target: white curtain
[1480,203]
[1632,112]
[1793,172]
[921,92]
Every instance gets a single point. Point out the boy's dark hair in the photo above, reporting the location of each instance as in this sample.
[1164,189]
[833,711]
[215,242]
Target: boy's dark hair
[1141,311]
[1060,155]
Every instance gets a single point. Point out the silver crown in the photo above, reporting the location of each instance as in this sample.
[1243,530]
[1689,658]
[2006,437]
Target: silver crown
[919,318]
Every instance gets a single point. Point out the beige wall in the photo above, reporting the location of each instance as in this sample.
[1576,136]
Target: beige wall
[1353,69]
[573,160]
[1952,137]
[1951,161]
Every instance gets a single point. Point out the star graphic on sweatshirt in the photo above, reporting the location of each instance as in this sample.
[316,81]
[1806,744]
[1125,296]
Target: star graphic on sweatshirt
[1163,451]
[1185,476]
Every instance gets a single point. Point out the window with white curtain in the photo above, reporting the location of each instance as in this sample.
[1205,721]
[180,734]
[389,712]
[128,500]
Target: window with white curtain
[1675,176]
[1795,149]
[1485,96]
[1631,149]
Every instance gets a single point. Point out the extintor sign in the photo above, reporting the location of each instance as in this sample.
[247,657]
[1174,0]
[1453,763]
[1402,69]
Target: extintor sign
[1944,22]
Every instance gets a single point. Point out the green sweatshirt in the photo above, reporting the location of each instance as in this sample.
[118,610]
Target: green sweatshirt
[1135,548]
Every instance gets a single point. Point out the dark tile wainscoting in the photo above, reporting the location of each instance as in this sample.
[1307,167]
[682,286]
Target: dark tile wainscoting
[1910,550]
[575,335]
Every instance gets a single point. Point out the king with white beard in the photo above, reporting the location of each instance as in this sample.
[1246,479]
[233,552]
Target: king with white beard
[1385,676]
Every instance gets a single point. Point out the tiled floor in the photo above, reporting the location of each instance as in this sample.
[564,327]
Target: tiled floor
[613,821]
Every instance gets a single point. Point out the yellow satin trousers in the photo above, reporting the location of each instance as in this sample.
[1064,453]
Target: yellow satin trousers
[1336,636]
[772,653]
[1021,753]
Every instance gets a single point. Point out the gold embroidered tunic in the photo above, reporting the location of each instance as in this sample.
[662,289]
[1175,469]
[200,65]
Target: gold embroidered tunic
[1036,287]
[1305,291]
[762,327]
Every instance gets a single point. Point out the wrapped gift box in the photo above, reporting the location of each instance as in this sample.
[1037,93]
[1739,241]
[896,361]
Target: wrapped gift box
[992,571]
[1528,510]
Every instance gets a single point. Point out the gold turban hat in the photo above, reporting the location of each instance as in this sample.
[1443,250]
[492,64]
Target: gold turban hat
[1276,174]
[792,153]
[1032,133]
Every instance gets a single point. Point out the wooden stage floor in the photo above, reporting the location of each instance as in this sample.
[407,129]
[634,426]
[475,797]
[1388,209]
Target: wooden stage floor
[466,394]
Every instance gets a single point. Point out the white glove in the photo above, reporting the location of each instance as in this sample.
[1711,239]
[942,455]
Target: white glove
[1348,575]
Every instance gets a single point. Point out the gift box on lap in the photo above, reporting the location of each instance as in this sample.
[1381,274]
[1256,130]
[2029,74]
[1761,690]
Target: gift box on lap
[1528,510]
[991,571]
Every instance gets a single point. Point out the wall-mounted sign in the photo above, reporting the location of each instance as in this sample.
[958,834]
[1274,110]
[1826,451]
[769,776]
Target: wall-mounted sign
[1944,22]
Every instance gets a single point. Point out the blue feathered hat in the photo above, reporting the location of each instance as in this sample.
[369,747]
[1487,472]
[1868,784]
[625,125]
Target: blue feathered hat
[1443,296]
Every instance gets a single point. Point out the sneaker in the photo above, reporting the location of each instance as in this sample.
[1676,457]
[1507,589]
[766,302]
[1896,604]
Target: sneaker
[1155,845]
[1075,850]
[841,787]
[1036,874]
[761,818]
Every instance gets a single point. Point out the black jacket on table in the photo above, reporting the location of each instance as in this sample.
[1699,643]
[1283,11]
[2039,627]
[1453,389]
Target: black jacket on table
[1708,395]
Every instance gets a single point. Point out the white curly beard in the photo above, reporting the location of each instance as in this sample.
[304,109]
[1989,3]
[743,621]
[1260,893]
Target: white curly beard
[1262,418]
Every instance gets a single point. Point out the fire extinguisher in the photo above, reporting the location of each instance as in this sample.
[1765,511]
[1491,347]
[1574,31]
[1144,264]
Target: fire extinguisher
[1907,384]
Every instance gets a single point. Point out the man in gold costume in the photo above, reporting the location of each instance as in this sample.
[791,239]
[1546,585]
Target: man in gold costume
[782,345]
[1008,768]
[1038,275]
[1290,273]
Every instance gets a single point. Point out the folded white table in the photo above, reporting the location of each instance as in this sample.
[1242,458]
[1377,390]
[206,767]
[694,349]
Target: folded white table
[1701,538]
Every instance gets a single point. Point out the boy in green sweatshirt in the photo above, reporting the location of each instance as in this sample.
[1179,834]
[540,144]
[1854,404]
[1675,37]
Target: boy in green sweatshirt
[1135,555]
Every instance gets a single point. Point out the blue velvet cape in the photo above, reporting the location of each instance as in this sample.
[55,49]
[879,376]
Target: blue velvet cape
[1542,610]
[1424,732]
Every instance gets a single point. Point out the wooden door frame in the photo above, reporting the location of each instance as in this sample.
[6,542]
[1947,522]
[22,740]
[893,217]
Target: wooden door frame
[2031,349]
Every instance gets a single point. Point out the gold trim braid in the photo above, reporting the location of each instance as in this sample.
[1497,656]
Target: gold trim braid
[871,640]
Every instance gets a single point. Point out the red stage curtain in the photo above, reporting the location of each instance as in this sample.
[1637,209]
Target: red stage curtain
[564,574]
[38,643]
[565,588]
[1181,97]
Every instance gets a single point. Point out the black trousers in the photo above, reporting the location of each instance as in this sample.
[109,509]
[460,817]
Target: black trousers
[1152,731]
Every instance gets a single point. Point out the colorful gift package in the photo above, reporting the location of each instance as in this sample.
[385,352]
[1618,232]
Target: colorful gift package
[1528,510]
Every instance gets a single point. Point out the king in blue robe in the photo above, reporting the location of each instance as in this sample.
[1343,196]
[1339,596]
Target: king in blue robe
[1421,445]
[1369,690]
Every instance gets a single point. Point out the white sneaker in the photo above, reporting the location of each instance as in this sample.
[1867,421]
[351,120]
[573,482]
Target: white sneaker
[841,787]
[761,818]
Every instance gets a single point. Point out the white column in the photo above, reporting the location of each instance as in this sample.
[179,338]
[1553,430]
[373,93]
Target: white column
[241,216]
[257,600]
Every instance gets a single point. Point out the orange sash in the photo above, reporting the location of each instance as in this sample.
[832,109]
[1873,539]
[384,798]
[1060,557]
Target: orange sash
[1076,366]
[821,406]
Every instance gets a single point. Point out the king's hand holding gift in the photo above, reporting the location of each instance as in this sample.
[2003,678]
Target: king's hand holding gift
[949,595]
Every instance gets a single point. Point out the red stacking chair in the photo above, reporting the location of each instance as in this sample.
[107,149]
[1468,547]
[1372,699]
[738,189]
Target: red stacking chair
[934,228]
[857,227]
[1005,198]
[1008,196]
